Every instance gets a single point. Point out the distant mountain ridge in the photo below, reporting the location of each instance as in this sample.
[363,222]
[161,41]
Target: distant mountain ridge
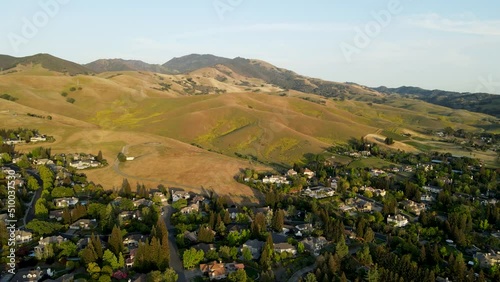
[475,102]
[47,61]
[283,78]
[109,65]
[194,62]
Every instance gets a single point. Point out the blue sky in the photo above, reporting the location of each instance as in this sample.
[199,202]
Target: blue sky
[450,45]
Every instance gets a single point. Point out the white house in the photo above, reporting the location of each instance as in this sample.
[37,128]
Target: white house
[65,202]
[177,195]
[309,173]
[23,236]
[397,220]
[285,247]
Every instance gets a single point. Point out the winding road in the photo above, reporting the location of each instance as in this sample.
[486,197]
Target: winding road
[175,259]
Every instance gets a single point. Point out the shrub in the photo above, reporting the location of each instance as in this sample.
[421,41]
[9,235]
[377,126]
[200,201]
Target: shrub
[64,94]
[70,100]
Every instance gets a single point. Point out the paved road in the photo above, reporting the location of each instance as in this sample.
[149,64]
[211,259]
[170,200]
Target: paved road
[295,277]
[175,259]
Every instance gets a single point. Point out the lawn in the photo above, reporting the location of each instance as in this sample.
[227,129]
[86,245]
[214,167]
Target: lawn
[370,162]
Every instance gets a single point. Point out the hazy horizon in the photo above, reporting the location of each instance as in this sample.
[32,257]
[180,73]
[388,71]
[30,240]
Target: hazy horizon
[374,43]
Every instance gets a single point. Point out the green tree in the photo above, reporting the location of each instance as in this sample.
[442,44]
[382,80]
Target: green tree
[170,275]
[41,210]
[300,247]
[310,277]
[192,258]
[247,254]
[116,241]
[110,259]
[94,270]
[372,275]
[238,276]
[341,249]
[278,221]
[121,157]
[67,249]
[33,183]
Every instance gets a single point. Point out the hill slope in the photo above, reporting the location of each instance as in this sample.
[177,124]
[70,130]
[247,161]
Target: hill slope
[193,62]
[110,65]
[476,102]
[47,61]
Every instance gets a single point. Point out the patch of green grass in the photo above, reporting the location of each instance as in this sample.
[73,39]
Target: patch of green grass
[370,162]
[420,146]
[394,135]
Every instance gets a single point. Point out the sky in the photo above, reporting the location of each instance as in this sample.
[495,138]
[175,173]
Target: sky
[450,45]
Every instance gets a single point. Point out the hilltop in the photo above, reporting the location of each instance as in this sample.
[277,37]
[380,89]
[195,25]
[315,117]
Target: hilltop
[110,65]
[47,61]
[475,102]
[235,113]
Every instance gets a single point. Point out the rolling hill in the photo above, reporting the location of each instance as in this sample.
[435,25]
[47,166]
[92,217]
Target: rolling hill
[49,62]
[475,102]
[110,65]
[221,116]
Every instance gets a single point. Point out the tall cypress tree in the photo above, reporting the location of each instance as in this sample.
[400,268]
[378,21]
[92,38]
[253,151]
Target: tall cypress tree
[116,241]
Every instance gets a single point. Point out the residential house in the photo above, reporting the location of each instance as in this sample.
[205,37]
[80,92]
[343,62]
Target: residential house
[191,208]
[27,275]
[23,236]
[291,173]
[302,229]
[205,247]
[285,247]
[364,206]
[413,207]
[263,210]
[488,259]
[215,270]
[318,192]
[83,224]
[65,202]
[198,199]
[57,215]
[432,189]
[43,162]
[309,173]
[191,236]
[142,202]
[397,220]
[126,215]
[275,179]
[218,271]
[132,241]
[177,195]
[49,240]
[314,245]
[427,198]
[160,195]
[38,138]
[375,192]
[255,246]
[130,258]
[233,213]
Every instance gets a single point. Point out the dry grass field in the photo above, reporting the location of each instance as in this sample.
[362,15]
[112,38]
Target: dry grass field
[190,140]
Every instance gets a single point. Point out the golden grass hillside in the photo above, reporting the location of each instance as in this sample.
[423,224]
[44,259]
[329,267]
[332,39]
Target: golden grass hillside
[137,110]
